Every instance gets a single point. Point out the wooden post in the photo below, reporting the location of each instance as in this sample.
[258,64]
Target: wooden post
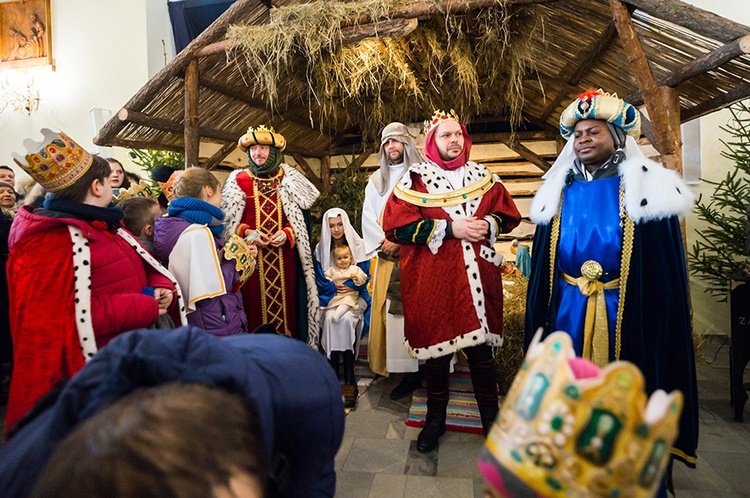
[325,173]
[192,136]
[670,100]
[665,135]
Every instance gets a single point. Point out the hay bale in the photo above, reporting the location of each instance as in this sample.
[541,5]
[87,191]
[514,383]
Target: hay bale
[509,357]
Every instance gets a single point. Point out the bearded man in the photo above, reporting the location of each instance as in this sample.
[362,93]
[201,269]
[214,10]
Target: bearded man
[446,214]
[608,265]
[268,204]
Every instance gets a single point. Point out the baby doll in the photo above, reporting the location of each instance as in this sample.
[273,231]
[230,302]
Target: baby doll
[343,270]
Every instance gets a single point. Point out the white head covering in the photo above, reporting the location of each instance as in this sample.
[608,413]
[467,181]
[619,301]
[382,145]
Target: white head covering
[399,132]
[353,240]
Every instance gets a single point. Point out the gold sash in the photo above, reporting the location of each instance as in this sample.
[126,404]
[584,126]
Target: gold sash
[596,327]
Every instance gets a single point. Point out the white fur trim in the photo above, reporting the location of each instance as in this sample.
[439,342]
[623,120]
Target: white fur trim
[652,192]
[154,263]
[296,193]
[437,183]
[82,291]
[82,287]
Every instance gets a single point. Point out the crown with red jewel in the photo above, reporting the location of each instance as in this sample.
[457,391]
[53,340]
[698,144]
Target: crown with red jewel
[569,428]
[439,116]
[262,135]
[56,162]
[597,104]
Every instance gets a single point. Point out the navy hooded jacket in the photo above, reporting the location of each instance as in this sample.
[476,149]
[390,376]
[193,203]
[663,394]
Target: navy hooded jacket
[294,391]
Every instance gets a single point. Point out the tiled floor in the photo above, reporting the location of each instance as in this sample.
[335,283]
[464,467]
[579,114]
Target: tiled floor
[378,457]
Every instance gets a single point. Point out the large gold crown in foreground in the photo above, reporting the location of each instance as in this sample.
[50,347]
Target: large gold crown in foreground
[262,135]
[56,162]
[568,428]
[439,116]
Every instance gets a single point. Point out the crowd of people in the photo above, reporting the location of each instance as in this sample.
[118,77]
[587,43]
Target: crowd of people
[231,276]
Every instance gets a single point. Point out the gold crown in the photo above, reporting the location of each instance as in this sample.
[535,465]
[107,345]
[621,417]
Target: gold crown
[262,135]
[141,189]
[566,436]
[167,188]
[56,162]
[439,116]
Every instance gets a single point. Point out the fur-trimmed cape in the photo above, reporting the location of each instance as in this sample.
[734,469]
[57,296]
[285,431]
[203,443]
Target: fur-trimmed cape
[297,193]
[656,327]
[652,192]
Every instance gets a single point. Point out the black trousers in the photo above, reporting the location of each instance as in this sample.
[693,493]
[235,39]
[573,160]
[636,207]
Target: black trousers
[483,377]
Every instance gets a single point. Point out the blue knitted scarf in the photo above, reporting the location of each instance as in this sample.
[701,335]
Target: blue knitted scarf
[197,211]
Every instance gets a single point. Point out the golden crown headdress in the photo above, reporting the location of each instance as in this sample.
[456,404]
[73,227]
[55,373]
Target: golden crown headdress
[439,116]
[167,188]
[141,189]
[56,162]
[597,104]
[262,135]
[568,428]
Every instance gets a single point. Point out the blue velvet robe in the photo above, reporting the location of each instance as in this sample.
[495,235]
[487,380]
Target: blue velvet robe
[656,327]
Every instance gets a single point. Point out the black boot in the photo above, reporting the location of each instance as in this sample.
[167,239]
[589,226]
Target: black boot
[349,378]
[409,382]
[334,362]
[488,414]
[434,427]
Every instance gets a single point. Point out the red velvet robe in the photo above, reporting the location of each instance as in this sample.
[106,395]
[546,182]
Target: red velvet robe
[270,295]
[449,302]
[42,285]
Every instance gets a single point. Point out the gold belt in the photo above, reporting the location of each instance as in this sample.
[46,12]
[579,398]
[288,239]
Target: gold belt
[596,327]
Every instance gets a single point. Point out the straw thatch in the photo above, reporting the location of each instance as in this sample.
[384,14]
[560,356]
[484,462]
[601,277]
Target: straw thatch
[315,70]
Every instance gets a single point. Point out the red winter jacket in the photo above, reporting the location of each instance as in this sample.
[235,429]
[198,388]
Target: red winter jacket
[42,299]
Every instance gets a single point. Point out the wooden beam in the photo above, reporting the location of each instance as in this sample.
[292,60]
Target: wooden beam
[581,65]
[220,154]
[645,78]
[528,154]
[700,21]
[670,98]
[427,8]
[139,144]
[216,31]
[139,118]
[719,102]
[273,119]
[191,97]
[315,179]
[700,65]
[393,28]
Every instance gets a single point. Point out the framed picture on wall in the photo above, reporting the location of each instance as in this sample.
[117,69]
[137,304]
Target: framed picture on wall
[25,34]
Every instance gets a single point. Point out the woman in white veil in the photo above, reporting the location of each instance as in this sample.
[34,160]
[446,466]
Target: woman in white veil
[341,338]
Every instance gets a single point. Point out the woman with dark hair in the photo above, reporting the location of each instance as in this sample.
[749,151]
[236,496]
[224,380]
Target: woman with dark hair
[118,177]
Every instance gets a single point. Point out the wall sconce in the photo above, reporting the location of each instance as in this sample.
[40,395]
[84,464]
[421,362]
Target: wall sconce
[19,99]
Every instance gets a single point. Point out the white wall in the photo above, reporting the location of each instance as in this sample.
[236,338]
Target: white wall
[100,50]
[708,315]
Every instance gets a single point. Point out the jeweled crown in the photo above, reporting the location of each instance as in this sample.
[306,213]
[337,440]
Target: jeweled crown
[56,162]
[597,104]
[141,189]
[439,116]
[262,135]
[568,428]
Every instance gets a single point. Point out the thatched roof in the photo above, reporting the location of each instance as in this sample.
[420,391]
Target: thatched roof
[521,62]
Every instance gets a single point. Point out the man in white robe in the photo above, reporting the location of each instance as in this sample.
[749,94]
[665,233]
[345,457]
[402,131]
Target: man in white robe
[386,350]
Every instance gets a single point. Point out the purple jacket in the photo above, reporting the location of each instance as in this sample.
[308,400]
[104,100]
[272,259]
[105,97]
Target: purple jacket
[222,315]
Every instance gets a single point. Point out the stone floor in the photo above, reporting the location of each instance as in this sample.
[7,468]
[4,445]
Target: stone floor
[378,456]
